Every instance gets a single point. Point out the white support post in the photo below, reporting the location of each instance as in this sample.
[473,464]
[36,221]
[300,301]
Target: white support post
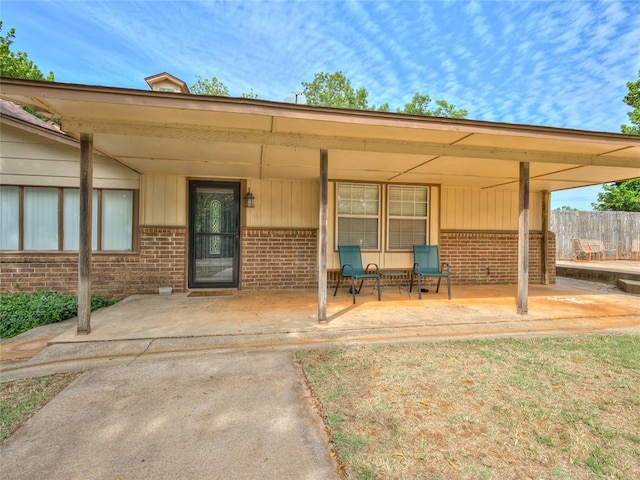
[546,213]
[84,248]
[523,240]
[322,236]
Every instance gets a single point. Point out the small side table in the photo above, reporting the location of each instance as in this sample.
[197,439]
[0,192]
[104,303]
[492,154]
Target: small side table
[401,278]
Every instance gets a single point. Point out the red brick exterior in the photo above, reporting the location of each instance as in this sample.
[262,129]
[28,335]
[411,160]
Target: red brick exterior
[271,259]
[279,258]
[160,262]
[482,258]
[470,253]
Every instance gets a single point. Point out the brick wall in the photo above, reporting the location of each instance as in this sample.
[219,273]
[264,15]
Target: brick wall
[279,258]
[470,253]
[271,259]
[480,258]
[160,261]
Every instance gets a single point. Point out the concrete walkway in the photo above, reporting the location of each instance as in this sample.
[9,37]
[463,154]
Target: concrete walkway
[206,387]
[144,327]
[212,416]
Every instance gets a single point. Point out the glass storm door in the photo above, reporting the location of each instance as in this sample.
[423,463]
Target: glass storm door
[214,234]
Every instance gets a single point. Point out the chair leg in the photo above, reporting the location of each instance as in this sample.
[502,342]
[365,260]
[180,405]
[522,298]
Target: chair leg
[419,287]
[353,290]
[449,287]
[337,285]
[411,283]
[378,286]
[361,283]
[438,285]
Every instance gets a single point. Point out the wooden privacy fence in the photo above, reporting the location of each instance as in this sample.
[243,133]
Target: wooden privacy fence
[617,228]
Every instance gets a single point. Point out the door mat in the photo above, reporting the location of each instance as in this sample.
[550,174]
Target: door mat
[210,293]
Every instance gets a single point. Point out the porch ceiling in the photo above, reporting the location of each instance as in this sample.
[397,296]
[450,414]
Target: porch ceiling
[199,136]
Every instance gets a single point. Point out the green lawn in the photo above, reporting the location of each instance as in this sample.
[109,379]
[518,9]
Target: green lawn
[552,408]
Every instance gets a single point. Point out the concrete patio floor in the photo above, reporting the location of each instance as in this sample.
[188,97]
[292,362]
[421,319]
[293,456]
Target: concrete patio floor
[291,316]
[208,386]
[154,324]
[631,266]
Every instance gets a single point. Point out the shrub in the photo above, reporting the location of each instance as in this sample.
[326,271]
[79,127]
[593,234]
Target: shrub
[20,312]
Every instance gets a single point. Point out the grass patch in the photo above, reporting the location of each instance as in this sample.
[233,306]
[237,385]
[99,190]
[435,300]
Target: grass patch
[531,408]
[20,399]
[20,312]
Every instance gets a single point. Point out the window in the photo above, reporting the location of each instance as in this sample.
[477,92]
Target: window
[48,218]
[41,218]
[117,219]
[71,222]
[9,218]
[358,215]
[408,216]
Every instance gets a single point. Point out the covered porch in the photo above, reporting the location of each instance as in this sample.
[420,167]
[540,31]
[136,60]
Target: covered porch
[152,325]
[286,317]
[479,175]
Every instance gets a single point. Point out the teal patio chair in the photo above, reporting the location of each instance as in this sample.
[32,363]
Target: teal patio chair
[426,263]
[351,267]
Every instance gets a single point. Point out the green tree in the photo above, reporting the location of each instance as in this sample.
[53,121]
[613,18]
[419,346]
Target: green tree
[251,94]
[205,86]
[633,100]
[420,104]
[334,90]
[215,87]
[619,197]
[17,64]
[566,208]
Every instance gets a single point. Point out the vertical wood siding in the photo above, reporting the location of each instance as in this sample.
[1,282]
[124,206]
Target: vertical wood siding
[475,209]
[284,204]
[27,159]
[163,200]
[617,228]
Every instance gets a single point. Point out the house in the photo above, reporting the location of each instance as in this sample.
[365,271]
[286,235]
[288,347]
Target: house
[39,205]
[172,175]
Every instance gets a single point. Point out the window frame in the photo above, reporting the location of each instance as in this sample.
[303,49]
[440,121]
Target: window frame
[426,218]
[378,216]
[97,218]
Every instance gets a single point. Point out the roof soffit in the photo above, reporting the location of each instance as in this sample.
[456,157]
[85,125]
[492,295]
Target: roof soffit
[193,124]
[365,144]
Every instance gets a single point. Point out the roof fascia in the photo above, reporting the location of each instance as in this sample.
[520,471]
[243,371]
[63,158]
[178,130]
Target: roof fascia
[60,137]
[39,91]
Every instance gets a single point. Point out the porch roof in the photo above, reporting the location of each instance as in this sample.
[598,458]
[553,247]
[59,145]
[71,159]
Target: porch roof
[203,136]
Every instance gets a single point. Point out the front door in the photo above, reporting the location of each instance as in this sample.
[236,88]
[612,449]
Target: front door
[214,234]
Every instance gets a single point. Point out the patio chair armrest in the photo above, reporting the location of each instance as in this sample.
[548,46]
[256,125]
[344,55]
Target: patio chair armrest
[377,270]
[416,267]
[344,267]
[445,267]
[594,246]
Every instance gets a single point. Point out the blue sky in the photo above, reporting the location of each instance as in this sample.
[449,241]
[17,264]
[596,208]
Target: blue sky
[562,63]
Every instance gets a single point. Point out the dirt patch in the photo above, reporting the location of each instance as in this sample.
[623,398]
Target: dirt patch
[22,349]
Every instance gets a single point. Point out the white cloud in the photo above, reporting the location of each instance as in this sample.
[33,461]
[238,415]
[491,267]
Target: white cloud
[551,63]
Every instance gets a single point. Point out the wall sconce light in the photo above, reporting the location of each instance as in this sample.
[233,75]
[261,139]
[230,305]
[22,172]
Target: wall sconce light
[249,200]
